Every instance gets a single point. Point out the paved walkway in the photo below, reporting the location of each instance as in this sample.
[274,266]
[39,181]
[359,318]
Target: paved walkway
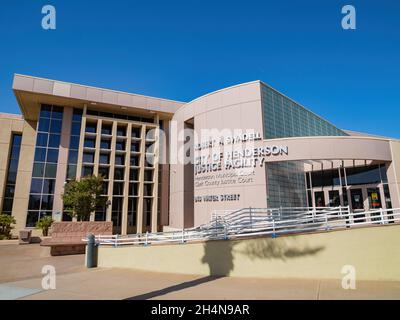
[20,278]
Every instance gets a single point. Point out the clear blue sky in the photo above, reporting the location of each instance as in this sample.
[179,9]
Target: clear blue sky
[183,49]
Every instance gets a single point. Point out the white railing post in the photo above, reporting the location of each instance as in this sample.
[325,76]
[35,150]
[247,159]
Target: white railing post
[273,229]
[116,241]
[326,222]
[381,214]
[238,227]
[251,219]
[215,227]
[351,217]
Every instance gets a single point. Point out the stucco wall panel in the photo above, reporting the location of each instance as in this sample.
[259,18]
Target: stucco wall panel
[373,251]
[239,107]
[223,112]
[393,173]
[2,185]
[250,115]
[210,102]
[78,92]
[22,189]
[188,111]
[93,94]
[62,89]
[5,130]
[43,86]
[4,150]
[29,133]
[249,92]
[176,210]
[20,205]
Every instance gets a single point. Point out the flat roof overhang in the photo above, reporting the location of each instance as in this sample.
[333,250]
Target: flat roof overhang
[31,92]
[318,152]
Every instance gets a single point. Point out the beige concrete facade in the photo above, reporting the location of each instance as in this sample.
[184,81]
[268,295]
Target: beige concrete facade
[373,252]
[169,193]
[10,124]
[32,92]
[237,110]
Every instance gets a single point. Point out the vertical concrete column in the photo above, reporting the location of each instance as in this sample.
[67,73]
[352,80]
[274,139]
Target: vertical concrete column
[62,163]
[164,167]
[112,166]
[24,175]
[393,174]
[139,219]
[81,143]
[80,150]
[97,146]
[154,213]
[5,146]
[96,158]
[124,223]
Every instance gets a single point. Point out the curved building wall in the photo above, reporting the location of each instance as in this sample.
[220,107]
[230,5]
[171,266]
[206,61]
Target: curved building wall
[240,180]
[239,108]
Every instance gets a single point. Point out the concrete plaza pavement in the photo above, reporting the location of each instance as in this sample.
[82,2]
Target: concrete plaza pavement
[21,278]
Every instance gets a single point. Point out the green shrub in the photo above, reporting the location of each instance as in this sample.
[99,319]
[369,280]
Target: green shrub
[81,198]
[44,224]
[6,222]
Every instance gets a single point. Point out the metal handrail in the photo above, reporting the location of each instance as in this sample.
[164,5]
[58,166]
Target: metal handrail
[247,223]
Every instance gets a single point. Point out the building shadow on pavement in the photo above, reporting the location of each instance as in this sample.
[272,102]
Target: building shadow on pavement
[181,286]
[220,256]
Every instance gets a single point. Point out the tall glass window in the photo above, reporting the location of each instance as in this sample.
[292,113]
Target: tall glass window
[45,164]
[12,174]
[286,184]
[74,144]
[283,117]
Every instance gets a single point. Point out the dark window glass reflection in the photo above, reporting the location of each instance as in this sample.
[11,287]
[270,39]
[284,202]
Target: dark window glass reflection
[76,129]
[49,186]
[52,155]
[41,140]
[44,125]
[54,141]
[36,186]
[363,175]
[38,170]
[55,126]
[40,154]
[74,143]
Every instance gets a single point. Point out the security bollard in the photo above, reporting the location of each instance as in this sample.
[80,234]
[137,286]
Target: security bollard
[91,252]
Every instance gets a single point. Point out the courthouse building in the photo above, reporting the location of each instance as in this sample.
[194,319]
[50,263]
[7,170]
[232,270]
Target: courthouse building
[253,147]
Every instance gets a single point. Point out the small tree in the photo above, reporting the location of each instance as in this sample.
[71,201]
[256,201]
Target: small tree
[81,198]
[44,224]
[6,222]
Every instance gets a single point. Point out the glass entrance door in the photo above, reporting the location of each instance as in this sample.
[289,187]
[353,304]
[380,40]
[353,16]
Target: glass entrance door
[357,200]
[357,204]
[374,198]
[334,198]
[374,201]
[319,199]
